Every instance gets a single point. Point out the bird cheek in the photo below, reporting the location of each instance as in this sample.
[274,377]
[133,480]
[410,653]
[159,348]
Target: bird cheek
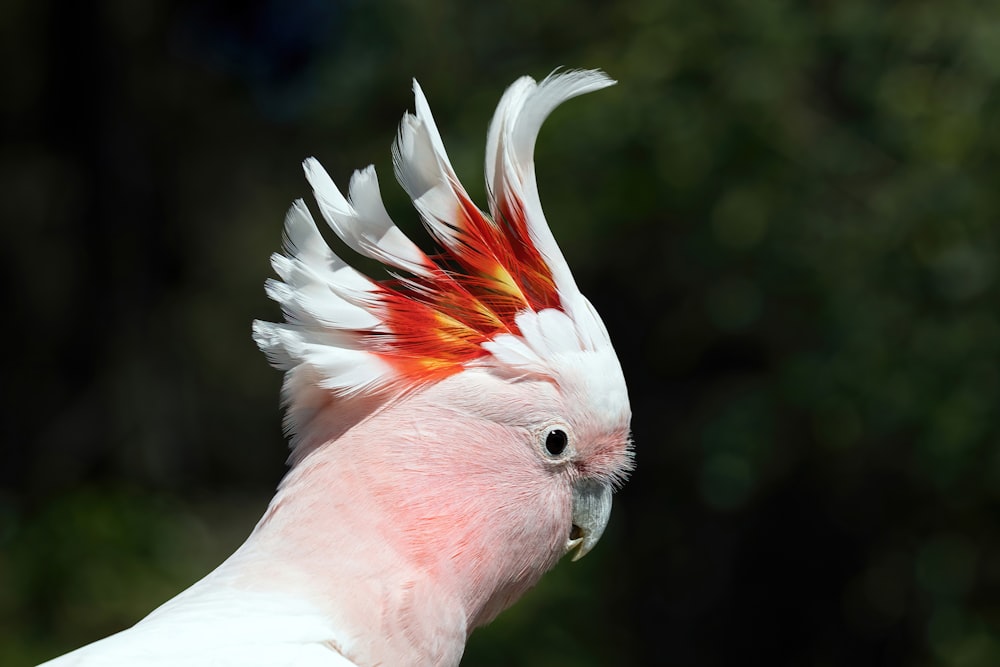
[558,514]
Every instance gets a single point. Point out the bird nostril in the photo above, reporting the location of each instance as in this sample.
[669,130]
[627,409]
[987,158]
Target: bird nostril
[575,533]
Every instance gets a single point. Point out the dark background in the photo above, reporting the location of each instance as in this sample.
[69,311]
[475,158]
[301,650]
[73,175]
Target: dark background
[787,213]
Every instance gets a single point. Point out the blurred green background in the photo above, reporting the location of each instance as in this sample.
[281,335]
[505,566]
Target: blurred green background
[786,212]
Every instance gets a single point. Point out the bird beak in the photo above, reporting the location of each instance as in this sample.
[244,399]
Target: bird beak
[591,509]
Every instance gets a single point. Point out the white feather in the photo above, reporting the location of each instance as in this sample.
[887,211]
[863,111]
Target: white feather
[425,172]
[318,289]
[510,146]
[345,367]
[363,223]
[508,350]
[209,627]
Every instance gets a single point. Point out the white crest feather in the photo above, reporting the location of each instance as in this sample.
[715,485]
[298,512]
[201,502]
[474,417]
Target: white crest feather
[338,334]
[425,172]
[363,223]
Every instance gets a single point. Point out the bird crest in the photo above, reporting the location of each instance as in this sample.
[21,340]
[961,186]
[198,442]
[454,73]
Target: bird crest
[497,294]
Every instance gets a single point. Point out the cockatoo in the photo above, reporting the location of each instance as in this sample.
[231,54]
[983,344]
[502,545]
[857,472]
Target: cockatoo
[456,428]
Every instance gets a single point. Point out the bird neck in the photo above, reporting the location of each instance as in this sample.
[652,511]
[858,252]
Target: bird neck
[400,534]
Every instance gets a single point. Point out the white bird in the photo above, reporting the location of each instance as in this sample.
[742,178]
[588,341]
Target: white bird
[456,428]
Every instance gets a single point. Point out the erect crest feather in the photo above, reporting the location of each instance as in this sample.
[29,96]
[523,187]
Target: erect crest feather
[499,292]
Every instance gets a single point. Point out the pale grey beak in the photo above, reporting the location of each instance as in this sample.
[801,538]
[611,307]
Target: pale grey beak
[591,509]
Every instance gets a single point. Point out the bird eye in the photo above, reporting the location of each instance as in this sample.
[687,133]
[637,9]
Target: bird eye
[556,441]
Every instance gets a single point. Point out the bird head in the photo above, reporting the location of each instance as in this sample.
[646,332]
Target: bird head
[500,406]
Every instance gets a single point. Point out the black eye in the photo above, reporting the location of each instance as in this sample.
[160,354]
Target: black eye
[555,441]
